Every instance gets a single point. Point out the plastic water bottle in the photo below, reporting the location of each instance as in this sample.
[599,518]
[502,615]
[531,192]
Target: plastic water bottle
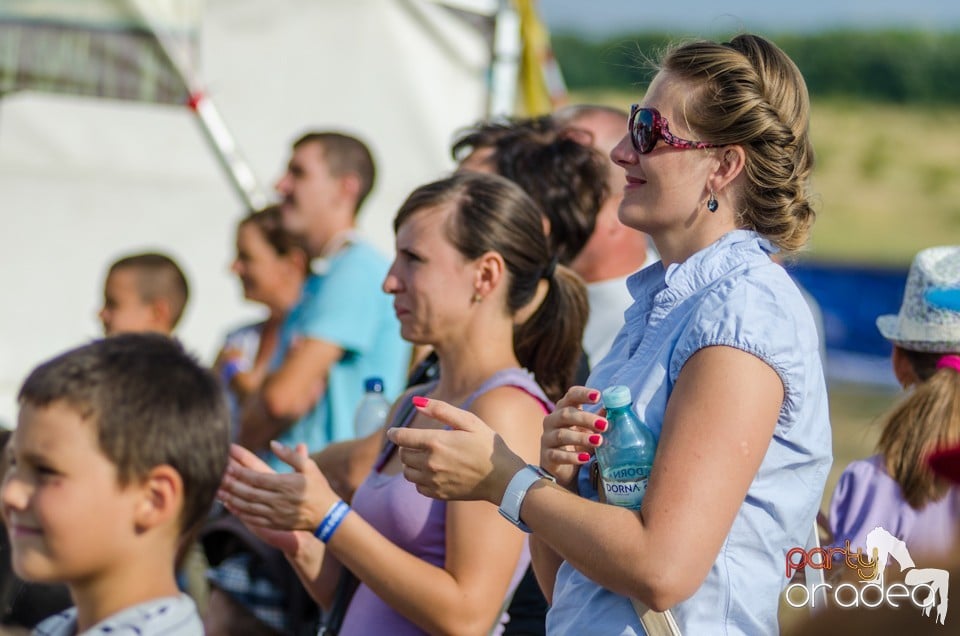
[626,455]
[372,409]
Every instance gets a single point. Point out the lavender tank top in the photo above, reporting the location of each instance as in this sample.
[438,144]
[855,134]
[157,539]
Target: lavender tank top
[417,523]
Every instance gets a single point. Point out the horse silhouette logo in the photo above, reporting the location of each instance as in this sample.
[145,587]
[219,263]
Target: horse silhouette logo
[886,546]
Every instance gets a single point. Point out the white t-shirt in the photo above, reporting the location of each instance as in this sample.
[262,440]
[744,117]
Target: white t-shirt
[608,300]
[174,615]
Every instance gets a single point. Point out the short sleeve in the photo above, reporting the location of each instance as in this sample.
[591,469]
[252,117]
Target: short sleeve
[864,498]
[348,305]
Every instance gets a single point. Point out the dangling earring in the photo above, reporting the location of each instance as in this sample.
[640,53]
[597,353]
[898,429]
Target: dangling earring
[477,297]
[712,203]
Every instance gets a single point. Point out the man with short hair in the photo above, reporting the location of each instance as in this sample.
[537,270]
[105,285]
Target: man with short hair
[344,329]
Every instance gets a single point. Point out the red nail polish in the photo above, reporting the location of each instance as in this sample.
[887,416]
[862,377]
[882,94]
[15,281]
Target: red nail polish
[594,439]
[584,457]
[600,425]
[593,396]
[419,401]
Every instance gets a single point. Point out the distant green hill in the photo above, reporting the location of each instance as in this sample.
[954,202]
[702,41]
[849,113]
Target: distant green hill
[884,66]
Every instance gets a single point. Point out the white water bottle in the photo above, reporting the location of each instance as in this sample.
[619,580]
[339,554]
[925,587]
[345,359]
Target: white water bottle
[372,409]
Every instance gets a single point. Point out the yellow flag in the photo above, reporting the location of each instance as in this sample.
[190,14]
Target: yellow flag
[541,85]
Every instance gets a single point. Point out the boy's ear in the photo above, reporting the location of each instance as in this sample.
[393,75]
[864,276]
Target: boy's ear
[162,315]
[161,498]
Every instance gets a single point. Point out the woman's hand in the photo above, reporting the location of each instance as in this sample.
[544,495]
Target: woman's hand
[290,542]
[259,496]
[470,462]
[570,436]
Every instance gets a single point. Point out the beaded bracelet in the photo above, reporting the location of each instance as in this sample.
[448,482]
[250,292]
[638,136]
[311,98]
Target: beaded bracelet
[331,521]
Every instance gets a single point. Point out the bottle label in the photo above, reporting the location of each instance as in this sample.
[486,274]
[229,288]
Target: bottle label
[625,485]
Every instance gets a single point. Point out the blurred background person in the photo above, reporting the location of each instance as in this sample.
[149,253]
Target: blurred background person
[614,251]
[142,293]
[895,488]
[272,265]
[342,330]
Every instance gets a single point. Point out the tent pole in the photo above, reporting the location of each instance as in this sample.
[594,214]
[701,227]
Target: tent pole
[214,128]
[505,65]
[221,141]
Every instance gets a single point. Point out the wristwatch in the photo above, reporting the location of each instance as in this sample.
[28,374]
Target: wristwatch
[517,490]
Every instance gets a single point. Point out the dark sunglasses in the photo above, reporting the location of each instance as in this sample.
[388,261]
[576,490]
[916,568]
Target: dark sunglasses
[647,126]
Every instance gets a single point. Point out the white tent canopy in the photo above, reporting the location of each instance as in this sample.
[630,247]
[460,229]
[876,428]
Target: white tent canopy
[84,181]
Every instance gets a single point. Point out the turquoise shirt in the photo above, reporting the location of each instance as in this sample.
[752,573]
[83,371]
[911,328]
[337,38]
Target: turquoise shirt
[729,294]
[347,307]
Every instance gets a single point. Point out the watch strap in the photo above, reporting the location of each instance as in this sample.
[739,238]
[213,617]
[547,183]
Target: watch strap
[516,491]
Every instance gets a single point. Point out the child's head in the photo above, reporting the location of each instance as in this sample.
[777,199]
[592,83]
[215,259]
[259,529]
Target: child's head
[120,439]
[926,339]
[143,292]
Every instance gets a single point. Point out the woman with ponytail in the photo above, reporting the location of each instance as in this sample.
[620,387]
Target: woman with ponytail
[470,255]
[895,488]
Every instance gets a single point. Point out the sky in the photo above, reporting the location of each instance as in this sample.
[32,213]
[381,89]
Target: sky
[692,17]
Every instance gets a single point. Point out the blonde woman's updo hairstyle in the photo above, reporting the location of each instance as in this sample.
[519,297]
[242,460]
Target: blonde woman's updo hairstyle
[748,92]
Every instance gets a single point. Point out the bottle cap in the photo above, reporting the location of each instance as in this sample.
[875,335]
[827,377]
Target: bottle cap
[373,384]
[616,396]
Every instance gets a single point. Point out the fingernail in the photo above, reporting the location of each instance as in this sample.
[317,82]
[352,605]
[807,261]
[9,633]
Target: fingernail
[274,444]
[594,439]
[419,401]
[593,396]
[600,425]
[584,457]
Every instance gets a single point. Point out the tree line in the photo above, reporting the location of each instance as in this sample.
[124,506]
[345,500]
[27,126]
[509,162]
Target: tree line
[884,66]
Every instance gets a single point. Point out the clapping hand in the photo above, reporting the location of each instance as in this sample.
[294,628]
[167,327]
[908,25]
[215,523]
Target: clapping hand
[259,496]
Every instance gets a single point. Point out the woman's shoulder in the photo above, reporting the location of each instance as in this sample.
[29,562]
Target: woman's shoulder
[510,378]
[863,484]
[508,395]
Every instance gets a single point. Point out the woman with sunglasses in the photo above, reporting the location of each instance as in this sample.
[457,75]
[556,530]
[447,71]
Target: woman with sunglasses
[721,355]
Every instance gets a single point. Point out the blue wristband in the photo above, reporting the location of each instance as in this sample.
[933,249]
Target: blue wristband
[230,369]
[331,521]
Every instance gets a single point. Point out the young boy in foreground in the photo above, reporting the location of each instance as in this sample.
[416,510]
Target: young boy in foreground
[118,452]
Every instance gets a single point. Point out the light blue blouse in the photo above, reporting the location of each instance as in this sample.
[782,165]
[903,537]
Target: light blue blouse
[729,294]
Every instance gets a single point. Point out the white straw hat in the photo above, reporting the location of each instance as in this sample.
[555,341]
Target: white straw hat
[920,325]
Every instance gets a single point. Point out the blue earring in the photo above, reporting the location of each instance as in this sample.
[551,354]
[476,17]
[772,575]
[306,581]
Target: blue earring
[712,204]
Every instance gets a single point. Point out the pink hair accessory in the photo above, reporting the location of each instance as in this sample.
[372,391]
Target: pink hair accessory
[949,361]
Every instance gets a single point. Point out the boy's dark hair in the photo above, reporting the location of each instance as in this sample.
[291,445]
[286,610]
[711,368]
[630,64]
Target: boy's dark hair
[158,276]
[151,403]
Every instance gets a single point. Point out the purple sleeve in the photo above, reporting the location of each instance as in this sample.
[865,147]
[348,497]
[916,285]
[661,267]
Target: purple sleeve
[865,497]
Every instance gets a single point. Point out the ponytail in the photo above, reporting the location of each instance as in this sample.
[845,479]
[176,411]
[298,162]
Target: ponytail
[927,419]
[548,343]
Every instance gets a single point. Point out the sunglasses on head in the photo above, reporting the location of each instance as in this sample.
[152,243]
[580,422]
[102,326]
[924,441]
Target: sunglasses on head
[647,126]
